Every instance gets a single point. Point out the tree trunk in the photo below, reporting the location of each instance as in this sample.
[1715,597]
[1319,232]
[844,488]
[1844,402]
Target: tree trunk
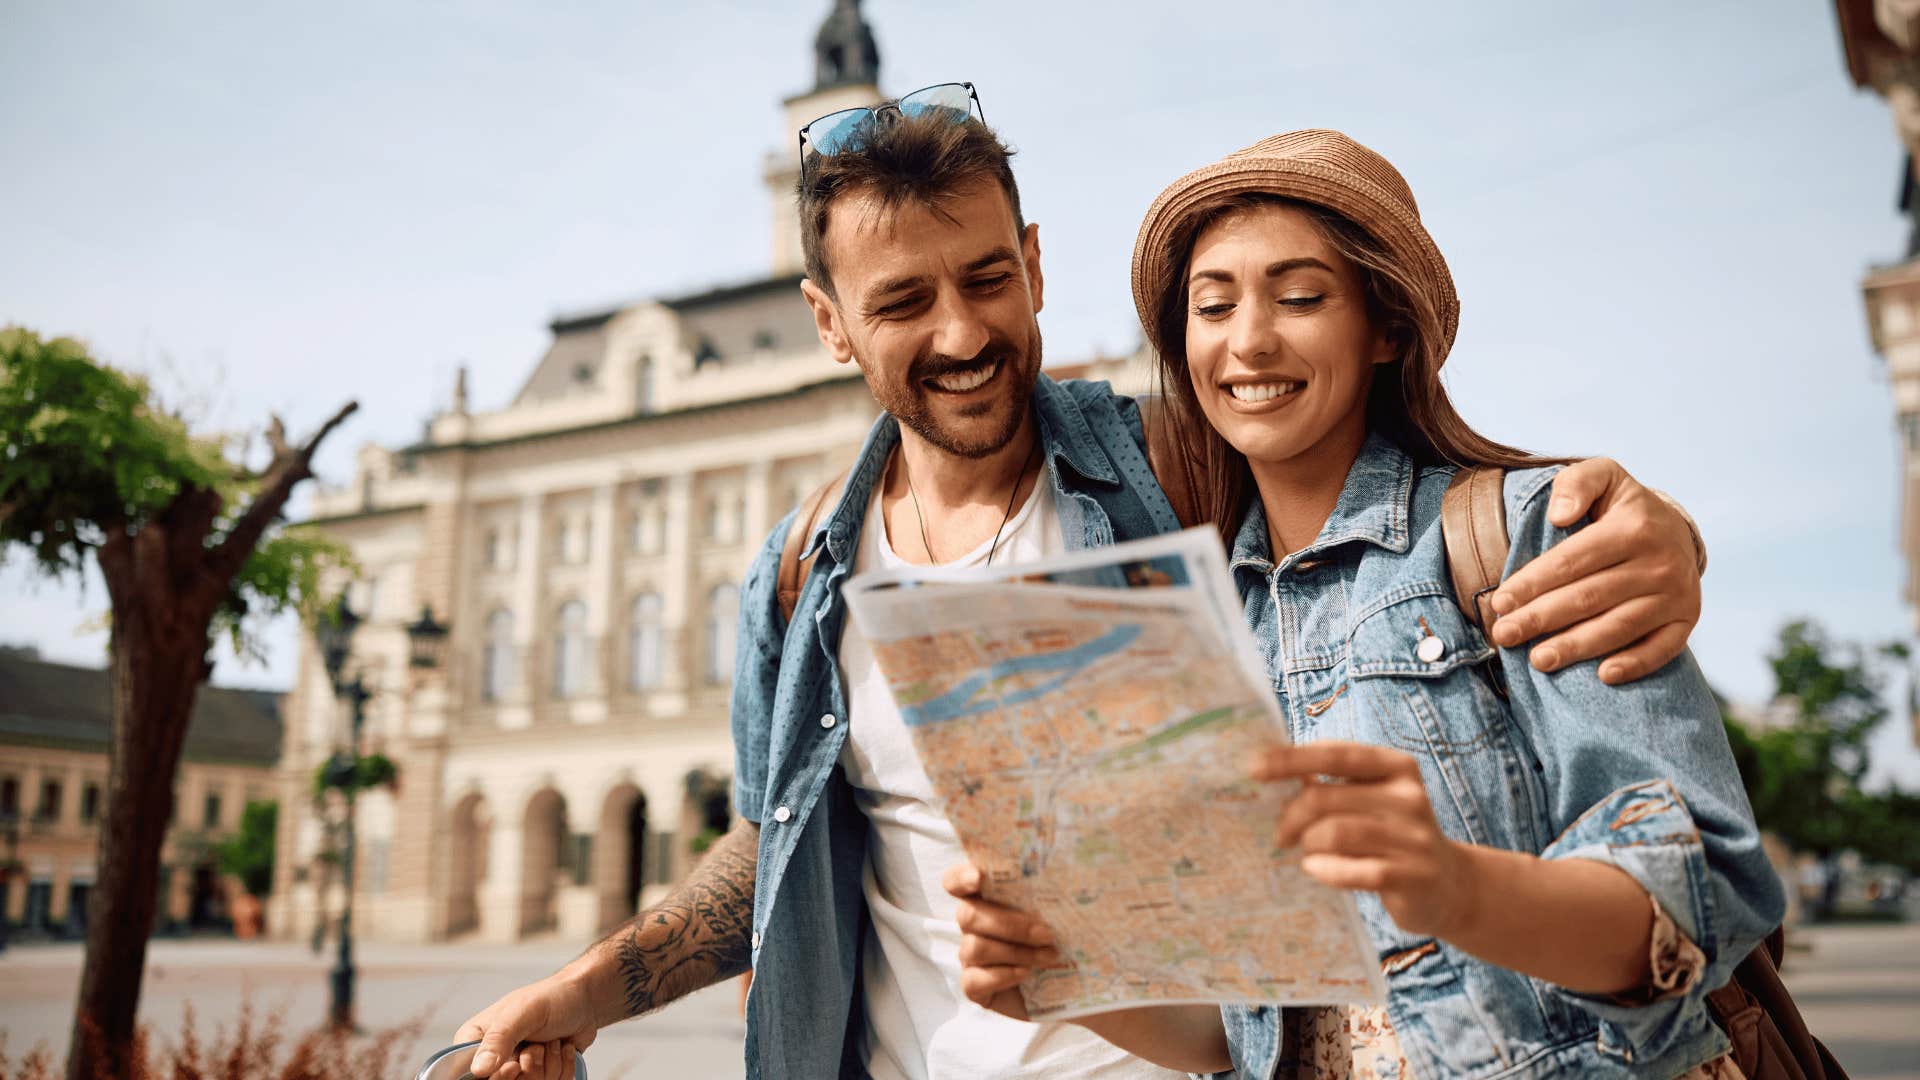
[165,581]
[153,685]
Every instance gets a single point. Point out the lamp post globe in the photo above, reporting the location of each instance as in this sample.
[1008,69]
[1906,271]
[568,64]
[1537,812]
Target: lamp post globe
[427,640]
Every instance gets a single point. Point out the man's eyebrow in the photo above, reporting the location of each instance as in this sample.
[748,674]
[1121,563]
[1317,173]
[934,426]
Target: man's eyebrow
[1306,262]
[999,254]
[880,292]
[887,288]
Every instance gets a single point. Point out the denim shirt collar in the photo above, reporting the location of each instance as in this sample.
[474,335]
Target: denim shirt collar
[1373,508]
[1064,435]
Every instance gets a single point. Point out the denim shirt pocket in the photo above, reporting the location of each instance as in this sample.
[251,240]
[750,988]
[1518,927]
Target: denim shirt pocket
[1414,667]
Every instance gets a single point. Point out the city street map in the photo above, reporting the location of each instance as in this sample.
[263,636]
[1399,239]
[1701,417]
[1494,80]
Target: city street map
[1086,722]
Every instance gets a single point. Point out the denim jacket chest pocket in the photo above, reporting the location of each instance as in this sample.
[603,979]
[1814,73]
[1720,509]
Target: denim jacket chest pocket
[1419,682]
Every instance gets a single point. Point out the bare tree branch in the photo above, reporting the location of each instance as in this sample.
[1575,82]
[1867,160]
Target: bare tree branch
[290,465]
[277,436]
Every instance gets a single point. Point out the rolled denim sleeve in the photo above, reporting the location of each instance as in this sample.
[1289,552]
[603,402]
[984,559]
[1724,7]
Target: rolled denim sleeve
[756,674]
[1640,777]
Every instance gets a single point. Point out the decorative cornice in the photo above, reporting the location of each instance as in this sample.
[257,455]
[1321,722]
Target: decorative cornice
[635,420]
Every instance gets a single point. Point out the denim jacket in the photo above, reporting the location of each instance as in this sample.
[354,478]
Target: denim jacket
[788,712]
[1638,777]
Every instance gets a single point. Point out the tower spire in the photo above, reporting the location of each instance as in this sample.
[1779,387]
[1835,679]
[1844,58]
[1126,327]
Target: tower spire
[844,53]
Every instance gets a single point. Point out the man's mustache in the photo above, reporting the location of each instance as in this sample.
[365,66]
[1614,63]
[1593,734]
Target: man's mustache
[938,365]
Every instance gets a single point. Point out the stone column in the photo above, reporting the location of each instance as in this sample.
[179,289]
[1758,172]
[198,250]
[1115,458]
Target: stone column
[676,592]
[759,495]
[500,893]
[603,589]
[530,617]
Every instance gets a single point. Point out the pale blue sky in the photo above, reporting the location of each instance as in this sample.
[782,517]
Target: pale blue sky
[1658,215]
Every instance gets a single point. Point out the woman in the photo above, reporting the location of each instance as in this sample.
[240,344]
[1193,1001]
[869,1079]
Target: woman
[1554,873]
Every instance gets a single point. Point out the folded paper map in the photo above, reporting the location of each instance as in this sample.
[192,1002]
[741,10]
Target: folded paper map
[1086,722]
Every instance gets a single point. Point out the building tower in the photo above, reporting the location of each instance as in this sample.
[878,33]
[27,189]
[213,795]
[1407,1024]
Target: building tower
[846,73]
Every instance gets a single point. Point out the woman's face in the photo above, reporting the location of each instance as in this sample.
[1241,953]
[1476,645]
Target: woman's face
[1279,346]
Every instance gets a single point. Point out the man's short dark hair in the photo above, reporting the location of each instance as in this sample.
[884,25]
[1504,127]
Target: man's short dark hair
[924,160]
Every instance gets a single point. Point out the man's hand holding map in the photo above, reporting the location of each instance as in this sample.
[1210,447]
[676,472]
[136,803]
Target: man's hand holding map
[1087,722]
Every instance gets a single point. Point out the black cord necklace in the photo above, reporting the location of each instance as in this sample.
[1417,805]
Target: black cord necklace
[1005,515]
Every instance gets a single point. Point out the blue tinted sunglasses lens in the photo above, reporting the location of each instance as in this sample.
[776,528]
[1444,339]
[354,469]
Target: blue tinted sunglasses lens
[950,101]
[831,133]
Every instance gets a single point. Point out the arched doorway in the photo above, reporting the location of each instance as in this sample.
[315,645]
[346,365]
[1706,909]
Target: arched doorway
[543,841]
[620,864]
[468,838]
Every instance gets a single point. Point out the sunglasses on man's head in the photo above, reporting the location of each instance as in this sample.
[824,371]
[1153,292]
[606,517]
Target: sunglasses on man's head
[838,131]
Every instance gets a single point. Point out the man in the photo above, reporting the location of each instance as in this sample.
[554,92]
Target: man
[921,270]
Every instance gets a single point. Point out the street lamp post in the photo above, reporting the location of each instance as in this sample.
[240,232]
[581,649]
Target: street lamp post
[427,640]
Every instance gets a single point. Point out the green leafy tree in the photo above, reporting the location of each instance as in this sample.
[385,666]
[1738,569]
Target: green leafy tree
[188,540]
[248,853]
[1803,777]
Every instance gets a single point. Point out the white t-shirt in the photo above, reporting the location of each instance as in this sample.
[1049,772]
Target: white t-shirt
[918,1024]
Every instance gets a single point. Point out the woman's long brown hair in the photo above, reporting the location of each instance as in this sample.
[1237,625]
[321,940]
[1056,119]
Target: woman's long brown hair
[1407,403]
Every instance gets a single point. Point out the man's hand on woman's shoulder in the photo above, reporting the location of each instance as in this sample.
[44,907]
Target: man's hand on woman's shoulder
[1626,587]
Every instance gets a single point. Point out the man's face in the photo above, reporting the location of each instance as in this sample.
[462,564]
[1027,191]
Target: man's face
[938,311]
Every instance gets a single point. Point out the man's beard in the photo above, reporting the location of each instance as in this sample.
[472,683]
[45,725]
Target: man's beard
[909,399]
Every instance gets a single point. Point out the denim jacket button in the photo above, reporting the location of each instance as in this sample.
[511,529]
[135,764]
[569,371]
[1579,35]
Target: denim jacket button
[1430,649]
[782,814]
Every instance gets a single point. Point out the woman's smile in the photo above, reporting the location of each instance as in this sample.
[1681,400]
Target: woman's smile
[1262,394]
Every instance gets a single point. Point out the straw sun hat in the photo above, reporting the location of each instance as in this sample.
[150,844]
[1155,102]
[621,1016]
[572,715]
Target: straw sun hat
[1315,166]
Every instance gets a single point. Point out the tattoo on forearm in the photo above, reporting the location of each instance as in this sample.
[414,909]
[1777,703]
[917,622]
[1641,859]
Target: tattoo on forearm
[699,935]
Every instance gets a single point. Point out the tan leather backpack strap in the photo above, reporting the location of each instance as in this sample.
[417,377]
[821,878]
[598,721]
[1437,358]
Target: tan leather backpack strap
[1172,462]
[793,568]
[1473,520]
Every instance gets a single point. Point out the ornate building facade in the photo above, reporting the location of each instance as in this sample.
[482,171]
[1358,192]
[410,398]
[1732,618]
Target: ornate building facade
[585,544]
[1881,42]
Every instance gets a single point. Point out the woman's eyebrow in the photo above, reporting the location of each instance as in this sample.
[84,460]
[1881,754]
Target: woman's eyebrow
[1305,262]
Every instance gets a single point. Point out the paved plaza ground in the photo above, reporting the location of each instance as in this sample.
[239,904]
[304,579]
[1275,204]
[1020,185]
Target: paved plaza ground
[698,1037]
[1859,986]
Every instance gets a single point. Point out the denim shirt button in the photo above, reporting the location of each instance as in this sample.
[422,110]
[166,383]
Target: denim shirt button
[826,721]
[1430,649]
[756,939]
[782,814]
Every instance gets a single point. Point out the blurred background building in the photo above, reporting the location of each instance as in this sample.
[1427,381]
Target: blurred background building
[1881,39]
[55,720]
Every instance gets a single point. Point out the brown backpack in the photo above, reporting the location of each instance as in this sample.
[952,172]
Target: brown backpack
[1172,465]
[1770,1038]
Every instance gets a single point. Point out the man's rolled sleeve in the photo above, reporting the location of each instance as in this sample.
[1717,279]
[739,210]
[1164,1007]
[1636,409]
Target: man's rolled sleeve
[1640,777]
[756,674]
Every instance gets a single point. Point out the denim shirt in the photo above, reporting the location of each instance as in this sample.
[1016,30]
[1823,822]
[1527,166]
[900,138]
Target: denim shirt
[1639,777]
[789,710]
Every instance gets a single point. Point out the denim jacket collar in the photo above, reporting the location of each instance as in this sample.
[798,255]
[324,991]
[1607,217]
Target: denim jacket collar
[1373,507]
[1064,437]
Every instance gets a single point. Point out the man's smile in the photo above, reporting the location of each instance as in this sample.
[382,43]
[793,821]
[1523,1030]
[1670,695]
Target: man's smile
[965,380]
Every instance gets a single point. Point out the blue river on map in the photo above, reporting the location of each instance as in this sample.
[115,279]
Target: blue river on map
[968,699]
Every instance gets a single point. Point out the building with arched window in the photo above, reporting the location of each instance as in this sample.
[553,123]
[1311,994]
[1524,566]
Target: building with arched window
[723,619]
[644,641]
[582,542]
[497,658]
[570,655]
